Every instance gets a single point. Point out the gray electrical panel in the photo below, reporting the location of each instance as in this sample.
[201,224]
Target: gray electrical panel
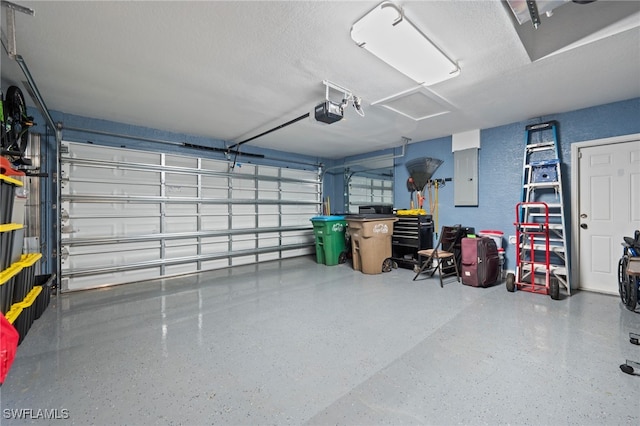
[465,178]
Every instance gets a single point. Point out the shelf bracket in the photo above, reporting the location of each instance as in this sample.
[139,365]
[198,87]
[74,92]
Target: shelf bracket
[9,40]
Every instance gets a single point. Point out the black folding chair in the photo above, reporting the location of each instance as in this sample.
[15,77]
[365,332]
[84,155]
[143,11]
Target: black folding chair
[443,254]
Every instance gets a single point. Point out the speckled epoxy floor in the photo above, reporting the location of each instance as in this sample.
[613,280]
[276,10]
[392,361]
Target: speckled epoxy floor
[293,342]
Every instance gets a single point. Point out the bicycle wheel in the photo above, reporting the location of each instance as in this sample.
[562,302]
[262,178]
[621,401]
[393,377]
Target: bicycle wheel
[16,110]
[623,288]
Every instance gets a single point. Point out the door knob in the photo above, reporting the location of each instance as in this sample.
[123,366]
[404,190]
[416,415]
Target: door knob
[583,226]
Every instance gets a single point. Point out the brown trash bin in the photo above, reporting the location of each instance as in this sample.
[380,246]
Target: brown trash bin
[371,243]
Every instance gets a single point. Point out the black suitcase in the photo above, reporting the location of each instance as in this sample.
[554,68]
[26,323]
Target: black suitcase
[480,262]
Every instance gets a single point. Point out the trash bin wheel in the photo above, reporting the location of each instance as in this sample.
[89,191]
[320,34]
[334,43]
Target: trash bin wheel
[511,282]
[387,265]
[342,258]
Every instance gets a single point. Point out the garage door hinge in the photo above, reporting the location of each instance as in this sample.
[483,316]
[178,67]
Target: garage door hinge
[64,149]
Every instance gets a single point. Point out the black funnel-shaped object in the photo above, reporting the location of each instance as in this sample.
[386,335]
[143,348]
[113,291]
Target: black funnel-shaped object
[421,170]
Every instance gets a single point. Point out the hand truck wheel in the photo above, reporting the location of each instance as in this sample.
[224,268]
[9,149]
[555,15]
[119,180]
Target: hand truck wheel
[511,282]
[554,288]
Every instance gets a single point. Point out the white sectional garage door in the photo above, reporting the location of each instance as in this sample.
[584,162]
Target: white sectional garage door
[365,191]
[131,215]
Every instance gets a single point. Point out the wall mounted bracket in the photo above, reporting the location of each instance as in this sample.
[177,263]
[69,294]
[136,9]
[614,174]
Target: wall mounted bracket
[9,40]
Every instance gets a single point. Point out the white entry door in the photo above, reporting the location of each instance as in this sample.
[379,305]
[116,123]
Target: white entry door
[609,208]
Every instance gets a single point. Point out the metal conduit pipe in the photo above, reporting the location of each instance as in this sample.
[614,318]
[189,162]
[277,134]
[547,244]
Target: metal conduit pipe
[42,107]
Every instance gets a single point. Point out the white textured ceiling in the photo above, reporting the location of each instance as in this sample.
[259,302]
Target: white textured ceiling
[231,70]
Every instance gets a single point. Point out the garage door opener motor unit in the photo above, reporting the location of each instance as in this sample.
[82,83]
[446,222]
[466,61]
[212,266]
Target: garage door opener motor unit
[329,112]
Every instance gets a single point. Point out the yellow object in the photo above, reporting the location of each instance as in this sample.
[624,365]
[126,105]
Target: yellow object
[11,181]
[30,299]
[30,259]
[411,212]
[14,313]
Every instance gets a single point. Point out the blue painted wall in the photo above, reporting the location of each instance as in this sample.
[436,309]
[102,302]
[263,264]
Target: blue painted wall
[500,165]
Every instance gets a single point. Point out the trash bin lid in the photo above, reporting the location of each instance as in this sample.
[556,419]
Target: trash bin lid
[326,218]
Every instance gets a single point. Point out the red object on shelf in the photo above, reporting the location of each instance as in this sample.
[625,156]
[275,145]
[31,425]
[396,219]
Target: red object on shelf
[7,170]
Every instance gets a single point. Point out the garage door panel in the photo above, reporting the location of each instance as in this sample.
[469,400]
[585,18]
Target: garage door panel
[124,211]
[177,242]
[266,221]
[116,226]
[104,188]
[211,247]
[89,209]
[181,209]
[215,193]
[113,258]
[104,174]
[180,161]
[181,224]
[112,278]
[181,251]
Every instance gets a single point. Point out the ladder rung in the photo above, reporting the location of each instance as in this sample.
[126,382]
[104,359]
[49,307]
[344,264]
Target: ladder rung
[539,206]
[543,215]
[542,247]
[559,270]
[554,269]
[552,184]
[551,240]
[537,127]
[541,146]
[536,164]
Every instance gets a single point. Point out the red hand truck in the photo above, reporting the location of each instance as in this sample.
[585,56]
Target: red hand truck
[533,252]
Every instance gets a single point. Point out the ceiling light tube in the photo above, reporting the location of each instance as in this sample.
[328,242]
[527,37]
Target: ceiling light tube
[390,36]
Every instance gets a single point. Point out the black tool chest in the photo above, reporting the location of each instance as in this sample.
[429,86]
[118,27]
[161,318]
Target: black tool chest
[410,234]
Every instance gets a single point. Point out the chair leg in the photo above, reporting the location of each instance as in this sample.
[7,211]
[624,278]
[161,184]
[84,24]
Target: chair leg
[423,267]
[455,266]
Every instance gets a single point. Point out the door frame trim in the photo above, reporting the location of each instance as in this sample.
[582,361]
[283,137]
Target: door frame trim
[576,147]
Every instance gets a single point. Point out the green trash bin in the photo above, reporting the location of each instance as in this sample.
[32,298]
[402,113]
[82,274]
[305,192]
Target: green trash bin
[330,241]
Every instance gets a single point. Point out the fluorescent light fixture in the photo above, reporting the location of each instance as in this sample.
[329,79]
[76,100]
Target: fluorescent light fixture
[389,35]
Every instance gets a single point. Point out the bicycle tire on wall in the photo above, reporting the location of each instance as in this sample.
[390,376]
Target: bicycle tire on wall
[16,109]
